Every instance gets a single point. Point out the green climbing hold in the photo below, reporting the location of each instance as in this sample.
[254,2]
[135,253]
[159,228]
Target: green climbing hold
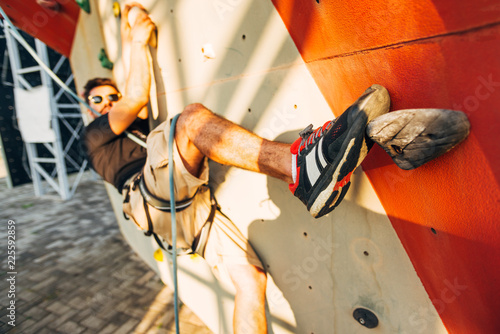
[84,4]
[105,62]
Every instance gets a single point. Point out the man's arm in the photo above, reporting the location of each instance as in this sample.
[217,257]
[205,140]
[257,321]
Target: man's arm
[136,94]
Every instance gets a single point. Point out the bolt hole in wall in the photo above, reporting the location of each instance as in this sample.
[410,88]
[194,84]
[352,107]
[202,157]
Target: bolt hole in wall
[366,253]
[433,230]
[243,37]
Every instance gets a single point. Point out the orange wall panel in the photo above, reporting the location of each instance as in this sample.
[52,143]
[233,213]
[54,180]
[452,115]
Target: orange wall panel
[429,54]
[323,29]
[54,28]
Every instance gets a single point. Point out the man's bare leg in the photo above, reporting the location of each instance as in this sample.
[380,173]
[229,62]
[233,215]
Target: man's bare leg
[200,133]
[250,299]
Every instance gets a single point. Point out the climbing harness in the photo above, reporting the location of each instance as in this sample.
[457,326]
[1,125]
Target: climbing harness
[161,204]
[151,201]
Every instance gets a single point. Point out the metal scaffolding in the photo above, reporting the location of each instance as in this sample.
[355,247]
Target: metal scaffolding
[41,110]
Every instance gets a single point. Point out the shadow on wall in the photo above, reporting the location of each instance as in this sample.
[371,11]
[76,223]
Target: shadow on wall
[324,276]
[233,63]
[327,267]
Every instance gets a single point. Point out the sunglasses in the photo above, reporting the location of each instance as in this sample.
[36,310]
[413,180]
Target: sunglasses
[96,99]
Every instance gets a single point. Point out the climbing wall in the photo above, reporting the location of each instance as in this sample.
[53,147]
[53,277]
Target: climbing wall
[406,251]
[428,54]
[324,275]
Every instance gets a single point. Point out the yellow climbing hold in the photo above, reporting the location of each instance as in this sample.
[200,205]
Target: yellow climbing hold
[116,9]
[195,257]
[158,255]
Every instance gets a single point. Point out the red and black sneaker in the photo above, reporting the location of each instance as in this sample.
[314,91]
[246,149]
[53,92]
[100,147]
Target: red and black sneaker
[326,157]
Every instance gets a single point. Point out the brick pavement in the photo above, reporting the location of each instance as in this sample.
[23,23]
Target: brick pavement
[75,272]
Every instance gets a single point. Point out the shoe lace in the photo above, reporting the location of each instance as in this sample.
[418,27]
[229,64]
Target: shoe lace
[309,137]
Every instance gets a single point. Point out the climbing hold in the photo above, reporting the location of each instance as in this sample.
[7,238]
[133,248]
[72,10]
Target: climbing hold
[84,4]
[414,137]
[208,51]
[116,9]
[365,317]
[105,62]
[49,4]
[158,255]
[195,257]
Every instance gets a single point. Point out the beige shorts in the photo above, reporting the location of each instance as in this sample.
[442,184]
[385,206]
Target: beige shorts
[226,244]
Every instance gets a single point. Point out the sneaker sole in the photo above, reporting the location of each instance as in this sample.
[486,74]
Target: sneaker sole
[413,137]
[354,148]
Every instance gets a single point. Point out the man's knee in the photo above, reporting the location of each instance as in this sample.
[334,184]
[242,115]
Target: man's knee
[194,110]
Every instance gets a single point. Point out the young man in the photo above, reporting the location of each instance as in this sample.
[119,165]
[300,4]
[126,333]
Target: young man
[318,166]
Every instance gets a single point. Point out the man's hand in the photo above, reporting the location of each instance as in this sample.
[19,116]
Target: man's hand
[136,25]
[135,53]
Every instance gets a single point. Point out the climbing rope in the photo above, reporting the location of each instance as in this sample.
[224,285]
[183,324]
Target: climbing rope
[173,220]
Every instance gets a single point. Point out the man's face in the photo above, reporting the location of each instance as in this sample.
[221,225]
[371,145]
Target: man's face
[102,99]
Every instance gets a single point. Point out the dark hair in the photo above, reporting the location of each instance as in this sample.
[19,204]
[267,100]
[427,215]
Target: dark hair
[96,82]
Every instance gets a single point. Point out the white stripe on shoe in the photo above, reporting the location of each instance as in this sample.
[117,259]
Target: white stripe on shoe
[313,171]
[321,156]
[320,201]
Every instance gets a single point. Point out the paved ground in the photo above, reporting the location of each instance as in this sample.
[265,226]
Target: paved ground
[74,271]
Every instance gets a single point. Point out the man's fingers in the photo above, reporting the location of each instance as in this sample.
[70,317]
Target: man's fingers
[136,24]
[126,12]
[129,6]
[138,16]
[125,25]
[134,4]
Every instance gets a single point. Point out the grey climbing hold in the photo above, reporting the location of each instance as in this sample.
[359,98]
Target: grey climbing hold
[365,317]
[413,137]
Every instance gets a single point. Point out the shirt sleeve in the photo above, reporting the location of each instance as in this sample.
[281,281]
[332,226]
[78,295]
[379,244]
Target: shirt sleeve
[98,133]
